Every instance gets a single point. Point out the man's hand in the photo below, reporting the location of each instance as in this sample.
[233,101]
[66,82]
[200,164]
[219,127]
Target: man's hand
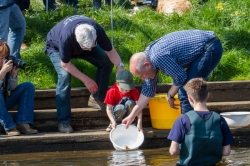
[171,103]
[128,120]
[90,85]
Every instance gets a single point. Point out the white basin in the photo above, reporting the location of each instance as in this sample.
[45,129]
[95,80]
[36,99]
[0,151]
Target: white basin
[237,119]
[126,139]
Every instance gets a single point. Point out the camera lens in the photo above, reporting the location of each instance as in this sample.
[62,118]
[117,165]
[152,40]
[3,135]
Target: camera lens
[20,64]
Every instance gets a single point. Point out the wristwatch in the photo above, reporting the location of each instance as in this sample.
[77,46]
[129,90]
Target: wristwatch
[120,65]
[169,96]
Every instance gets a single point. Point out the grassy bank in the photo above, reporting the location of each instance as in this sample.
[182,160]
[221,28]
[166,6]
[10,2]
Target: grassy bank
[132,33]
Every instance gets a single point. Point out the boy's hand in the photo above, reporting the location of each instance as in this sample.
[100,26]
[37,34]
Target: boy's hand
[139,126]
[114,125]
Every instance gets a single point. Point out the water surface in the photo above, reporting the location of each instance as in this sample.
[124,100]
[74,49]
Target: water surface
[146,157]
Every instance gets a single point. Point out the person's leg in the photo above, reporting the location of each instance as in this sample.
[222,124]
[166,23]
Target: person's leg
[62,90]
[17,27]
[23,95]
[119,112]
[26,4]
[129,105]
[201,67]
[99,59]
[5,118]
[4,23]
[72,3]
[51,4]
[97,4]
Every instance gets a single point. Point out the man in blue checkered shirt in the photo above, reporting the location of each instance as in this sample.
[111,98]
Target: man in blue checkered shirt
[182,55]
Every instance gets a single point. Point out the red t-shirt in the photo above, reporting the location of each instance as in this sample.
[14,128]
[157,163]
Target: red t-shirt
[114,96]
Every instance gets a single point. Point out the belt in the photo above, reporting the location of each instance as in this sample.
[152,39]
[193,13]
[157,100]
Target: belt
[209,42]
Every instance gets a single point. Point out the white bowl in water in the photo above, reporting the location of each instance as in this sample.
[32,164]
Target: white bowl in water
[237,119]
[126,139]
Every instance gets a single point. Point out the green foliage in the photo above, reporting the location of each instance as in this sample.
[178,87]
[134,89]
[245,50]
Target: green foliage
[134,32]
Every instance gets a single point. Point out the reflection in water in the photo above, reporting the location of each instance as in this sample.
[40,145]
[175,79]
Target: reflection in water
[124,158]
[146,157]
[238,157]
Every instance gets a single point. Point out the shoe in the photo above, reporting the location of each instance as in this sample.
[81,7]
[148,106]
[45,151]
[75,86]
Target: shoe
[109,128]
[26,129]
[12,132]
[96,103]
[23,46]
[65,128]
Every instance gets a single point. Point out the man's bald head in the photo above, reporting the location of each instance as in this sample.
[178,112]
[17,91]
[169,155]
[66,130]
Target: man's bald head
[137,62]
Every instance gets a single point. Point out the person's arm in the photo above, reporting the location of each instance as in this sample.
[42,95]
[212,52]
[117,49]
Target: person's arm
[174,149]
[115,58]
[110,115]
[88,82]
[139,122]
[13,78]
[226,150]
[227,137]
[141,103]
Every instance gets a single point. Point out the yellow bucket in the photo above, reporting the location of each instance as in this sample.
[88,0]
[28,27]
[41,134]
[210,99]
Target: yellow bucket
[161,114]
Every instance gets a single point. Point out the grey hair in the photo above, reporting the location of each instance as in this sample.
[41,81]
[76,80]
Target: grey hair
[140,62]
[85,35]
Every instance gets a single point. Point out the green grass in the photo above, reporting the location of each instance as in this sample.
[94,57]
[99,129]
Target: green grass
[133,33]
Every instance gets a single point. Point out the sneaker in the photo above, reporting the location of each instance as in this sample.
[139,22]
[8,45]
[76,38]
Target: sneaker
[12,132]
[109,128]
[23,46]
[96,103]
[65,128]
[26,129]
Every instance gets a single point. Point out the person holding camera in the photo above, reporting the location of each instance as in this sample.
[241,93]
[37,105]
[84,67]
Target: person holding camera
[13,94]
[80,37]
[121,99]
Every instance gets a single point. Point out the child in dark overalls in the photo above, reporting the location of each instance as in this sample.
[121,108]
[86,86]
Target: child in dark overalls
[200,136]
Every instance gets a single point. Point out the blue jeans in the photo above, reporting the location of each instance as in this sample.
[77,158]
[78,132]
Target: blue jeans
[12,28]
[201,67]
[23,95]
[99,59]
[120,111]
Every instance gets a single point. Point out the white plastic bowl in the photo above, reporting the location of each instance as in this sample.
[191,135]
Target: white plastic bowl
[237,119]
[126,139]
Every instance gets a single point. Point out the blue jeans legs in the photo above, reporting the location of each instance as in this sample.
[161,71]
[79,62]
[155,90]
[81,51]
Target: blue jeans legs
[120,111]
[12,28]
[62,90]
[23,95]
[201,67]
[99,59]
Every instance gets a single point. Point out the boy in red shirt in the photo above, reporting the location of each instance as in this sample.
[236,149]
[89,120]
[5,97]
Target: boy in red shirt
[121,98]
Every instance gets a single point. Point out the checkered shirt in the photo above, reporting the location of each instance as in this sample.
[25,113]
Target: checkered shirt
[172,54]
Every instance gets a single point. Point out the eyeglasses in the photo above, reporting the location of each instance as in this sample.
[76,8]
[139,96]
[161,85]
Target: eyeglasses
[85,48]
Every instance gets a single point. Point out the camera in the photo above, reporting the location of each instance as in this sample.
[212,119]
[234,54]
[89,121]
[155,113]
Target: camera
[16,62]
